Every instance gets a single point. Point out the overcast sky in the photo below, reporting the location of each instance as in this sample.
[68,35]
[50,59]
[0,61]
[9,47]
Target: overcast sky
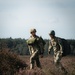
[17,17]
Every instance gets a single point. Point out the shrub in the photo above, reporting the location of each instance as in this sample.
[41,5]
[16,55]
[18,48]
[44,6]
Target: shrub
[10,63]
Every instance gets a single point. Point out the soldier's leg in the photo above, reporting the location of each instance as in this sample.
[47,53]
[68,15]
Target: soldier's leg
[58,65]
[62,68]
[32,59]
[31,62]
[38,62]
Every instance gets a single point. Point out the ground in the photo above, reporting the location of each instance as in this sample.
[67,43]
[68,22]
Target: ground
[48,67]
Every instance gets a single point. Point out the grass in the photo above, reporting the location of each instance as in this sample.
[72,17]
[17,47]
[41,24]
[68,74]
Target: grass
[48,67]
[13,64]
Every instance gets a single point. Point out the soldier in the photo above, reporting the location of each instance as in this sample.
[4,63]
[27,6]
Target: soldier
[34,48]
[56,45]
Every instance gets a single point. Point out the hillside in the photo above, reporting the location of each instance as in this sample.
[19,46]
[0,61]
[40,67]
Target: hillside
[13,64]
[48,68]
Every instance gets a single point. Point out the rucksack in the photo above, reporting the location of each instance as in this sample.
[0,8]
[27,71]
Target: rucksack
[41,45]
[31,41]
[66,47]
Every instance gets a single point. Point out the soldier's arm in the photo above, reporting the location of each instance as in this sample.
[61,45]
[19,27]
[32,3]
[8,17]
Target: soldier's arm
[50,47]
[30,50]
[42,44]
[61,50]
[61,46]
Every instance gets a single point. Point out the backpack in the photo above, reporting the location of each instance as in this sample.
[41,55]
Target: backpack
[41,45]
[31,41]
[66,47]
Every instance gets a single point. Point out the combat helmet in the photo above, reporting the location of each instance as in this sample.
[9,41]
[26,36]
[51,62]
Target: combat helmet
[32,30]
[52,32]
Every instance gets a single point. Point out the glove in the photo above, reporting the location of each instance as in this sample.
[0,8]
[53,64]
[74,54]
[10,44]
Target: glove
[41,55]
[48,52]
[60,54]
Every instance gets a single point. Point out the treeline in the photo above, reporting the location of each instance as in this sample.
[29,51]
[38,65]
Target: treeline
[19,46]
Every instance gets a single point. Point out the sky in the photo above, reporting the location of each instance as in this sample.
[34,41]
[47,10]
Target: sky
[17,17]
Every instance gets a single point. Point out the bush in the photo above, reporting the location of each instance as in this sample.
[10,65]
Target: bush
[10,63]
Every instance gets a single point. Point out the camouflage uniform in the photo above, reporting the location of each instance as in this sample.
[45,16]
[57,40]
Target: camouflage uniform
[34,52]
[56,45]
[57,48]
